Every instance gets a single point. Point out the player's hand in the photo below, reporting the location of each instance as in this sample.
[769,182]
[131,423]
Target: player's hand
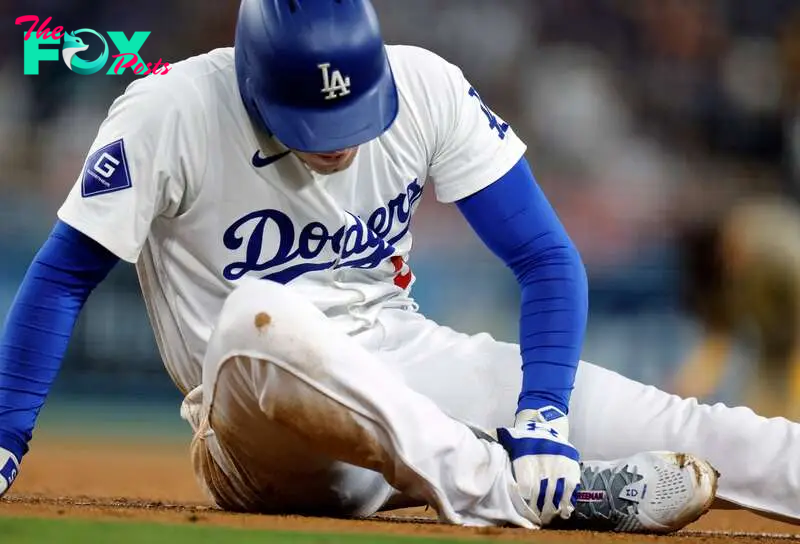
[9,468]
[546,466]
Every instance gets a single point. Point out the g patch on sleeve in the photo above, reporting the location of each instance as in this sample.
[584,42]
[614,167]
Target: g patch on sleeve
[106,170]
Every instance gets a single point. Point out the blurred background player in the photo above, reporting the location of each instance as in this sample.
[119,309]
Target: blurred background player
[738,252]
[742,281]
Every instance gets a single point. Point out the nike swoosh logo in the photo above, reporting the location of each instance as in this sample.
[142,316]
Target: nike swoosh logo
[261,162]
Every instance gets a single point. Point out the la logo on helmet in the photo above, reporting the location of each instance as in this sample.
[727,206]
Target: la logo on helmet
[334,85]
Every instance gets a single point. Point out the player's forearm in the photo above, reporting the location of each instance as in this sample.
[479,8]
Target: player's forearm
[553,319]
[39,324]
[514,219]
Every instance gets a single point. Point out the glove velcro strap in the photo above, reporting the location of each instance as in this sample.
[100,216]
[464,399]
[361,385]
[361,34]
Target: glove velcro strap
[520,447]
[549,415]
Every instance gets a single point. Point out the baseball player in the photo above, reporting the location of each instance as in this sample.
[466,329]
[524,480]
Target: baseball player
[265,193]
[742,274]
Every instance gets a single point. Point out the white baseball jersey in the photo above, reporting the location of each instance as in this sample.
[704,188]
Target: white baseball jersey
[180,182]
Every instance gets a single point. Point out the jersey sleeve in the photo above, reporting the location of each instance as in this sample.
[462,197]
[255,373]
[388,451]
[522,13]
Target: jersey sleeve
[148,149]
[473,145]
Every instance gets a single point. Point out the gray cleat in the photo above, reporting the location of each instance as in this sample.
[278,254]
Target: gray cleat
[652,492]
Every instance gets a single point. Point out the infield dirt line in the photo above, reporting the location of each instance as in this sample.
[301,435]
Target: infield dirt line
[743,535]
[684,533]
[191,512]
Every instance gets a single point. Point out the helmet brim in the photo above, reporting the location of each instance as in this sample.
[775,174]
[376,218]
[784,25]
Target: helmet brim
[332,129]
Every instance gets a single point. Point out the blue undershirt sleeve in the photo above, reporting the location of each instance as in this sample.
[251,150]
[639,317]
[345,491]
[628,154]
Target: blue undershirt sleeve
[514,219]
[39,324]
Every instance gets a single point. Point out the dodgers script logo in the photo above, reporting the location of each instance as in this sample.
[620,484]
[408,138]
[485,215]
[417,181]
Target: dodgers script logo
[360,244]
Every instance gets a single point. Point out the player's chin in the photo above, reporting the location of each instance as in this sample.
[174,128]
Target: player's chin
[328,163]
[328,170]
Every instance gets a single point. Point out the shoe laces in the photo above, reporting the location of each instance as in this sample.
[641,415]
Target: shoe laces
[611,481]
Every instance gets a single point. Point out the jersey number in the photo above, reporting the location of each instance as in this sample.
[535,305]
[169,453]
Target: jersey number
[494,124]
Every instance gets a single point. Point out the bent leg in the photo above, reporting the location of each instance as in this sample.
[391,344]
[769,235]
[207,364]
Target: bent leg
[303,419]
[252,463]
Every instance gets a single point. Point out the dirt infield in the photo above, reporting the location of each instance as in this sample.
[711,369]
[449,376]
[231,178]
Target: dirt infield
[154,482]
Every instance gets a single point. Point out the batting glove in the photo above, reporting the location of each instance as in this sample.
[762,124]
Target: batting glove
[546,466]
[9,468]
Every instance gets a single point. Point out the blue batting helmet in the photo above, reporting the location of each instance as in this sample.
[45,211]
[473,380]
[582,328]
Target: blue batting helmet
[314,73]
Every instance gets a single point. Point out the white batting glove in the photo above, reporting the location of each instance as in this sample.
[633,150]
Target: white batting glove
[546,466]
[9,468]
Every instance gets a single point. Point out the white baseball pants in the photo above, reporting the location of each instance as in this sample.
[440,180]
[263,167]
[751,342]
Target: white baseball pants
[297,417]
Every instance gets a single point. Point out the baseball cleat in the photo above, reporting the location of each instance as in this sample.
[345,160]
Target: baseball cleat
[651,492]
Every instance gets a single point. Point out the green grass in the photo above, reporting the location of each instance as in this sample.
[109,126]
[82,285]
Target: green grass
[47,531]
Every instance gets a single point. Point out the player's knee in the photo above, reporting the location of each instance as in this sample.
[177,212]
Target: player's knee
[266,317]
[261,302]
